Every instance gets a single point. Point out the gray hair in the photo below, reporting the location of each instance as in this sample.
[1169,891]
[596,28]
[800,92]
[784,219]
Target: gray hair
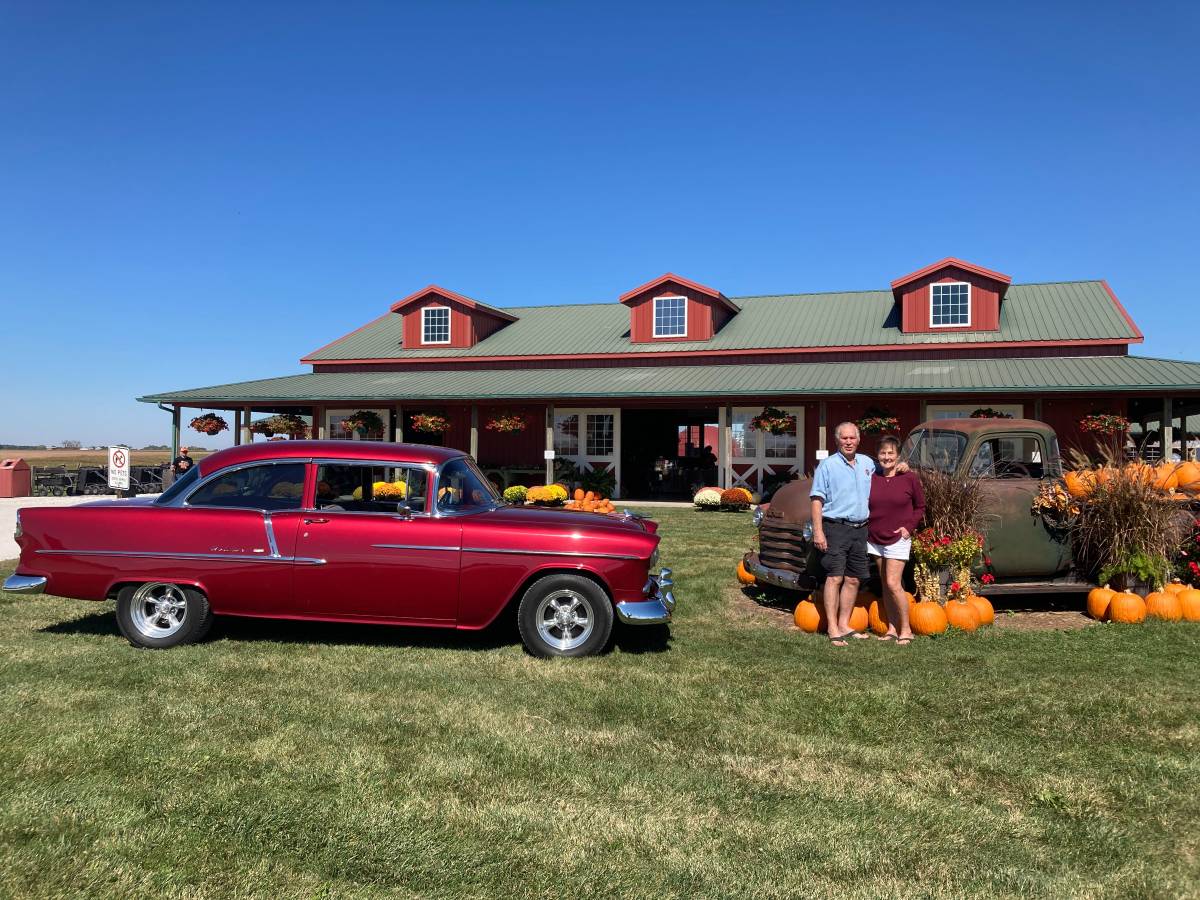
[842,425]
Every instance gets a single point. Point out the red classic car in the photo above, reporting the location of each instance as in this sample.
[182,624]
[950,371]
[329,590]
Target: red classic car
[345,531]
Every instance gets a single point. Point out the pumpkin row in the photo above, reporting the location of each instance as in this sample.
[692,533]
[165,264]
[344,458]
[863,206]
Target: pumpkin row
[1176,602]
[926,617]
[1168,477]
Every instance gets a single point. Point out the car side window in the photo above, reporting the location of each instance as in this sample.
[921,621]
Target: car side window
[371,487]
[268,486]
[462,488]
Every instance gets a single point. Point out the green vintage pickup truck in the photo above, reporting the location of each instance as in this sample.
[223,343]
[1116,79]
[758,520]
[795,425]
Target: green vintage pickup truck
[1011,456]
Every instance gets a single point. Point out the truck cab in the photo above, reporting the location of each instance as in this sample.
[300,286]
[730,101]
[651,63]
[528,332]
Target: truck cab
[1011,456]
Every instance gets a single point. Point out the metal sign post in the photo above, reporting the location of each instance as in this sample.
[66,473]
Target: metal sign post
[118,469]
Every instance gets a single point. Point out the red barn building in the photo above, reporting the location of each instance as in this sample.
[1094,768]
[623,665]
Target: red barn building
[640,386]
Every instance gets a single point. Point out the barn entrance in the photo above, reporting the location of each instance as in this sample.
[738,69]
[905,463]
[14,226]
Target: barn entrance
[667,454]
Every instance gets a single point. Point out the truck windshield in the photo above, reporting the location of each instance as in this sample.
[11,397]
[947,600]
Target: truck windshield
[934,448]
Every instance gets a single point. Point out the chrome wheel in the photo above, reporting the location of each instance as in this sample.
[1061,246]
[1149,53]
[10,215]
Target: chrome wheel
[158,610]
[564,619]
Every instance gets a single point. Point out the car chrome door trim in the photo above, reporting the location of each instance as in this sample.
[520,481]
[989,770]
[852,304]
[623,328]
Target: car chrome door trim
[414,547]
[157,554]
[550,553]
[270,526]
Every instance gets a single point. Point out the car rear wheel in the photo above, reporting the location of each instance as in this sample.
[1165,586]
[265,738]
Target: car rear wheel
[565,615]
[159,614]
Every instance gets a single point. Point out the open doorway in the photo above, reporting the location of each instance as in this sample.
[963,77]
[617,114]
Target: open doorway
[667,454]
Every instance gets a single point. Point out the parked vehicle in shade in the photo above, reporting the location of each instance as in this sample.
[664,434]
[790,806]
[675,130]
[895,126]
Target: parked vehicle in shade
[1011,457]
[341,531]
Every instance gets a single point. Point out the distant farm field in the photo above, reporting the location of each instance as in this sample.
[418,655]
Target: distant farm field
[72,459]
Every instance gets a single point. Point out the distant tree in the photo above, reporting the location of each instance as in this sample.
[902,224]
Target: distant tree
[71,445]
[155,447]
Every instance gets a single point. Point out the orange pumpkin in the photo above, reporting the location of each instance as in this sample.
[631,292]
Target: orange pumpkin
[1188,477]
[1165,606]
[1166,476]
[877,616]
[742,575]
[1189,604]
[578,495]
[1079,483]
[1140,473]
[858,618]
[1098,600]
[1175,587]
[983,606]
[928,618]
[962,615]
[1127,608]
[912,601]
[809,617]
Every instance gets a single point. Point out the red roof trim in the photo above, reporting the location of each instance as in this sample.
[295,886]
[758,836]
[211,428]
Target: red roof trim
[957,263]
[687,283]
[704,354]
[1121,309]
[451,295]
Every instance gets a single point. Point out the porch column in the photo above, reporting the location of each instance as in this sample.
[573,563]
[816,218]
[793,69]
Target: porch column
[727,446]
[823,424]
[549,443]
[319,422]
[475,432]
[399,436]
[175,431]
[722,446]
[237,427]
[1166,431]
[246,436]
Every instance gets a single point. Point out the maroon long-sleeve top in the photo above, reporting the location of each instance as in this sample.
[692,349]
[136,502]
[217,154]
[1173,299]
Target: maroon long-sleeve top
[896,502]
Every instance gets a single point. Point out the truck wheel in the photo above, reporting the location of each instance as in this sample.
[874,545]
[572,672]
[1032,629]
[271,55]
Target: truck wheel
[565,615]
[158,615]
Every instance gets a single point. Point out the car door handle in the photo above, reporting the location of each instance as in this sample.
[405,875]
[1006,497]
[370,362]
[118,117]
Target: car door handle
[315,521]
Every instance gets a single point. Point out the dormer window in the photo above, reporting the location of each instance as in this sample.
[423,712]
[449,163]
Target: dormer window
[670,316]
[950,304]
[435,325]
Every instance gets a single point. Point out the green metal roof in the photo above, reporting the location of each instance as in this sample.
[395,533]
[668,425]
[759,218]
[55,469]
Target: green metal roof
[938,376]
[1063,311]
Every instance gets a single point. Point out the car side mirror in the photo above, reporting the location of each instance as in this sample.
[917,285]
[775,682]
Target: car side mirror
[403,510]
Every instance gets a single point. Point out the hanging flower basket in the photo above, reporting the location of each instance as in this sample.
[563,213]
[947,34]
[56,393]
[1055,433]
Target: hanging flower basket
[282,423]
[1104,424]
[364,421]
[429,424]
[773,421]
[210,424]
[507,423]
[878,421]
[986,412]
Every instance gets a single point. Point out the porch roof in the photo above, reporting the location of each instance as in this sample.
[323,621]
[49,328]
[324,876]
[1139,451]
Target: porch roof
[1083,374]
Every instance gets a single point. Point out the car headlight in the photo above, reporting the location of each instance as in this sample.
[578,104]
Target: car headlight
[807,532]
[758,516]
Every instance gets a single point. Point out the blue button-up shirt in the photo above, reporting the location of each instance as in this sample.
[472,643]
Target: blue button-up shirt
[844,488]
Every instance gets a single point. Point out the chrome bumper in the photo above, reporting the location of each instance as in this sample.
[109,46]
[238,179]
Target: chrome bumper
[782,578]
[24,584]
[656,608]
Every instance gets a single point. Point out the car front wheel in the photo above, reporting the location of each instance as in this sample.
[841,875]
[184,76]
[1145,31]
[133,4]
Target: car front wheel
[158,614]
[565,615]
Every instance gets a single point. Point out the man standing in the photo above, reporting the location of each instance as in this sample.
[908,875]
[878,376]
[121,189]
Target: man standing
[182,462]
[840,491]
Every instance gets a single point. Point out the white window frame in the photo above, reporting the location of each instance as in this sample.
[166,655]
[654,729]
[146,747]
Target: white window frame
[963,411]
[449,324]
[610,462]
[758,461]
[966,324]
[654,314]
[333,418]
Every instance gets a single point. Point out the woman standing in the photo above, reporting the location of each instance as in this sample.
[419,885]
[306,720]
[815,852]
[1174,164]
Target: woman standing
[897,504]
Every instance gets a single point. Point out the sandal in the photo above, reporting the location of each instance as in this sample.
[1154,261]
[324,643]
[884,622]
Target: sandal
[886,637]
[857,635]
[903,642]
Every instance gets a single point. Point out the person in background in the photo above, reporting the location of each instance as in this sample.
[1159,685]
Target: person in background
[896,506]
[182,462]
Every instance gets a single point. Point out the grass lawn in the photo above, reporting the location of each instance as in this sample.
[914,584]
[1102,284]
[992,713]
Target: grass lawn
[736,759]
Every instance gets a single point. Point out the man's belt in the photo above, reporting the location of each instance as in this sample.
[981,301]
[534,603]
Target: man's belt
[852,523]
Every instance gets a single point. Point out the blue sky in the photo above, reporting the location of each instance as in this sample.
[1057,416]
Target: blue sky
[197,194]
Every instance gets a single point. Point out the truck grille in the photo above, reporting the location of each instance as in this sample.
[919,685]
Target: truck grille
[782,546]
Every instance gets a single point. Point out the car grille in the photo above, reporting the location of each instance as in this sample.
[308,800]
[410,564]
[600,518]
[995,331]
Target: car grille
[782,546]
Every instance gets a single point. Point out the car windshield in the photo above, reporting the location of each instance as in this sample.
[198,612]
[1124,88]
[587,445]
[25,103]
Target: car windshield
[462,487]
[179,485]
[934,448]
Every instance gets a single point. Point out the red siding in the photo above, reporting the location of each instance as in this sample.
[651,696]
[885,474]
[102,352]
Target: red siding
[700,314]
[704,358]
[523,448]
[1063,415]
[467,326]
[985,302]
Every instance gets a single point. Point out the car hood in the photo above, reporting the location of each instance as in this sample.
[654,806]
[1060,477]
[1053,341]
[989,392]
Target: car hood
[563,518]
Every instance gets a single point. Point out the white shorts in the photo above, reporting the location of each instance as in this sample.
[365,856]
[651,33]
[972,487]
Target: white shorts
[899,550]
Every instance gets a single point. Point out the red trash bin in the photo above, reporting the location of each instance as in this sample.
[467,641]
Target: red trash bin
[15,478]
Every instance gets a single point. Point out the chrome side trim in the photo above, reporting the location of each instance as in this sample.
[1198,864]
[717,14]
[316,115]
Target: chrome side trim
[270,526]
[25,584]
[549,553]
[155,554]
[414,547]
